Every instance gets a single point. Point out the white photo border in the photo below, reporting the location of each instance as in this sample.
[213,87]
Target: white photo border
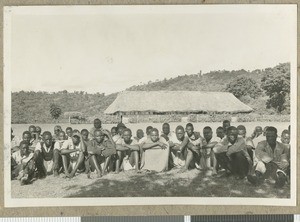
[117,201]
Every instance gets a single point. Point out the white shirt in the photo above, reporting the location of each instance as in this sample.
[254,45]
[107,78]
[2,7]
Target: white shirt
[21,159]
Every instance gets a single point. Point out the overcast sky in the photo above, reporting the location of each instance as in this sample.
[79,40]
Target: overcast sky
[108,49]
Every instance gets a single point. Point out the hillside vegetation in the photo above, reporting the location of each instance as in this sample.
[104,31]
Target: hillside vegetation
[266,91]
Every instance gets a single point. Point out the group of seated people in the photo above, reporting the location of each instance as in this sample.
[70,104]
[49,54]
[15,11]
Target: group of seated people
[230,152]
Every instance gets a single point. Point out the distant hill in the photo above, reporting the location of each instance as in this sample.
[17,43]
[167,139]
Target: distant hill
[212,81]
[33,107]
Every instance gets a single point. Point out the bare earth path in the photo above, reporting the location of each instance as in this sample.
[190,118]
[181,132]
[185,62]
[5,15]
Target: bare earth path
[193,183]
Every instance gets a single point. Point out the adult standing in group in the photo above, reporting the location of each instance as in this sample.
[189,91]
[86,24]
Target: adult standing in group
[97,126]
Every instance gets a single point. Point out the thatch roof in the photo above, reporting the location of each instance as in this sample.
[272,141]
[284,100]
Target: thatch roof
[177,101]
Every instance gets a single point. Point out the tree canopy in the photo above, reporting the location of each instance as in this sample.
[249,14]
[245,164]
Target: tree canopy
[244,86]
[276,83]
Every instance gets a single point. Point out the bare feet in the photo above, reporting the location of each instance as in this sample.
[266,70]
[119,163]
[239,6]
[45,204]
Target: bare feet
[71,175]
[214,172]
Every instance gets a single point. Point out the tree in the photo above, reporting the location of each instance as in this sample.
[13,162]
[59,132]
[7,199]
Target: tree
[55,111]
[244,86]
[276,83]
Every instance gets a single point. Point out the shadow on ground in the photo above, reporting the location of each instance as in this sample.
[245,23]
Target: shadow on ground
[172,184]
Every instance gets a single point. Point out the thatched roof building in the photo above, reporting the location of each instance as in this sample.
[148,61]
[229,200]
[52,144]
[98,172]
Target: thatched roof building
[162,102]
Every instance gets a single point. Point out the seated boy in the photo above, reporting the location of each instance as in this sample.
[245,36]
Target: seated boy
[72,152]
[139,134]
[207,148]
[197,140]
[156,150]
[69,133]
[14,142]
[232,155]
[127,152]
[22,164]
[100,152]
[183,151]
[47,157]
[114,131]
[85,135]
[249,144]
[272,159]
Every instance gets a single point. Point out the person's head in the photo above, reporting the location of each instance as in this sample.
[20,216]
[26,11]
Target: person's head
[38,130]
[69,131]
[166,128]
[232,134]
[47,138]
[12,133]
[271,136]
[140,133]
[85,134]
[265,130]
[76,139]
[121,128]
[24,147]
[242,131]
[114,131]
[32,129]
[207,133]
[76,131]
[61,135]
[154,135]
[26,136]
[285,137]
[57,129]
[180,132]
[189,129]
[226,124]
[97,123]
[148,130]
[220,132]
[127,135]
[99,136]
[258,130]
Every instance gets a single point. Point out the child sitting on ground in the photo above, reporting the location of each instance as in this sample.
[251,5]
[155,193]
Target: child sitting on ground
[23,165]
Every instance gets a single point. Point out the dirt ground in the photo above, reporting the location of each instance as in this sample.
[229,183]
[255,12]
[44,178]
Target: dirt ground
[193,183]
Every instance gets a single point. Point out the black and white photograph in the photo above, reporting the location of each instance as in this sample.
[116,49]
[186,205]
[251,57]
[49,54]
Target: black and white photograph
[150,105]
